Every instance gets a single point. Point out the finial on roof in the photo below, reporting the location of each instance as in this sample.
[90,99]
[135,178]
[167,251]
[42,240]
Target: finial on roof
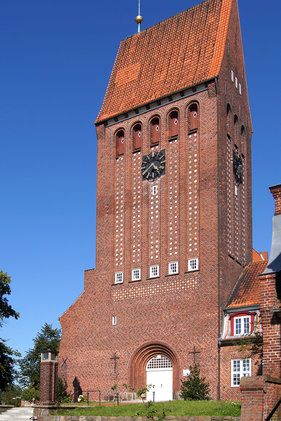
[139,18]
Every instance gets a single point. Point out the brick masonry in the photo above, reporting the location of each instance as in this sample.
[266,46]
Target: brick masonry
[197,212]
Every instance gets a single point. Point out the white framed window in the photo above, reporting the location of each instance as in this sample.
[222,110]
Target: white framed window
[154,190]
[236,82]
[173,268]
[232,75]
[114,320]
[118,277]
[136,274]
[242,325]
[239,369]
[240,89]
[193,264]
[154,271]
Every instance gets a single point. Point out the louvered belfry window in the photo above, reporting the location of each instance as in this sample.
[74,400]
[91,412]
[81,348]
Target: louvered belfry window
[155,131]
[137,137]
[193,118]
[120,143]
[174,124]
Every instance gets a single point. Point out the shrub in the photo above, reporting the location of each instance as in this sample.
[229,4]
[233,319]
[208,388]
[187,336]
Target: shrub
[195,387]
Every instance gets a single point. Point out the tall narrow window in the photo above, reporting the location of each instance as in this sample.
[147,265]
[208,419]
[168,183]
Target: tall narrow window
[174,124]
[137,134]
[155,131]
[192,118]
[228,117]
[120,143]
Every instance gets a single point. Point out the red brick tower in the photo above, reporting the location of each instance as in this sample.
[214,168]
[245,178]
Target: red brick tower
[173,207]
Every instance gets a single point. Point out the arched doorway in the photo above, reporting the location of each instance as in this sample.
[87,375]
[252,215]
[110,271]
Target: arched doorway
[159,379]
[143,362]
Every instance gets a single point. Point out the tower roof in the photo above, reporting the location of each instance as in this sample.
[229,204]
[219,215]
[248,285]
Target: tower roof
[175,54]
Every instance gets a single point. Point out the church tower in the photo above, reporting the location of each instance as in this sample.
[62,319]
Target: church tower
[173,208]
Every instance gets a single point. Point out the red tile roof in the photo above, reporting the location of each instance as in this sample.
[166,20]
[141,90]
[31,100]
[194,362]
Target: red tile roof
[175,54]
[247,289]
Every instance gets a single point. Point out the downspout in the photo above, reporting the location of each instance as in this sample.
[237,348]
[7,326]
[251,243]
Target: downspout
[219,244]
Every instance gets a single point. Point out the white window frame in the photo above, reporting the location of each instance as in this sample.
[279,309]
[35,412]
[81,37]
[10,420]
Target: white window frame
[236,82]
[240,89]
[114,320]
[190,264]
[118,277]
[232,75]
[173,268]
[154,190]
[151,271]
[243,325]
[136,277]
[240,368]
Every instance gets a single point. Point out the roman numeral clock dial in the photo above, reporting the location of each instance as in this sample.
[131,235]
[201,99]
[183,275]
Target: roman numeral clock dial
[153,165]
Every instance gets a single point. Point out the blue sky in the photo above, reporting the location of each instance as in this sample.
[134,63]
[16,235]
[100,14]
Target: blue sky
[57,57]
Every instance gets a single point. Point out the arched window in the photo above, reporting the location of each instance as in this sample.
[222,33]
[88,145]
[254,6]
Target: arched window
[174,123]
[155,131]
[193,118]
[137,137]
[120,143]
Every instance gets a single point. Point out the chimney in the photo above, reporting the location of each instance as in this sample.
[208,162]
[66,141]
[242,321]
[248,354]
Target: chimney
[276,192]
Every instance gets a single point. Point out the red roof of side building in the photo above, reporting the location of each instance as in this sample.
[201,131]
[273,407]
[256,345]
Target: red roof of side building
[175,54]
[247,289]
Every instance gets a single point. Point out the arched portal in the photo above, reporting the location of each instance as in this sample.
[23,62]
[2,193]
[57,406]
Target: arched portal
[145,361]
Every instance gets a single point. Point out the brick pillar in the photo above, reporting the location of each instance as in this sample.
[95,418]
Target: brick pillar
[270,315]
[48,379]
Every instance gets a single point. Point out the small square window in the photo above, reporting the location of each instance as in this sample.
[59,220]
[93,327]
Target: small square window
[192,264]
[173,268]
[118,277]
[154,190]
[136,274]
[154,271]
[114,320]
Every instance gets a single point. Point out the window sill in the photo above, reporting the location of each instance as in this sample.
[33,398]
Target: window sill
[171,274]
[192,271]
[154,277]
[133,282]
[119,283]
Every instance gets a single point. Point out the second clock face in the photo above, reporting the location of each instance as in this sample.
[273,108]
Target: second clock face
[153,165]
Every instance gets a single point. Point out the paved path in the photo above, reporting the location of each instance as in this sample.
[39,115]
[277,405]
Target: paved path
[17,414]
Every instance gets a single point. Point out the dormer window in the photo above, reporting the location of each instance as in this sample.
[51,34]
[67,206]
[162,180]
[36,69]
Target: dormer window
[242,324]
[193,118]
[155,131]
[174,123]
[137,137]
[120,143]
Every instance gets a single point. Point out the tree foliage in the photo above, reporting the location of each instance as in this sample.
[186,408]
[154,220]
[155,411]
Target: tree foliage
[48,339]
[195,387]
[7,371]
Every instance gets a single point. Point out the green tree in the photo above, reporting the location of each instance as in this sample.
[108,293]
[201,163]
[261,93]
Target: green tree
[48,339]
[7,370]
[195,387]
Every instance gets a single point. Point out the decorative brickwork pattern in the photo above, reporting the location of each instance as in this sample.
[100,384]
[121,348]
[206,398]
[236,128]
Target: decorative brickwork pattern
[136,210]
[173,200]
[119,214]
[160,288]
[193,196]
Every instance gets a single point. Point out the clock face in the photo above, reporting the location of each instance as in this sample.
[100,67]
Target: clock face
[153,165]
[238,168]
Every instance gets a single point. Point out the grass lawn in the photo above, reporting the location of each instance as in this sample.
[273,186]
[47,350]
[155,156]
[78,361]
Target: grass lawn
[176,408]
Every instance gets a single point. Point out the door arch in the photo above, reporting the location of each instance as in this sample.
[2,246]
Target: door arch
[139,362]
